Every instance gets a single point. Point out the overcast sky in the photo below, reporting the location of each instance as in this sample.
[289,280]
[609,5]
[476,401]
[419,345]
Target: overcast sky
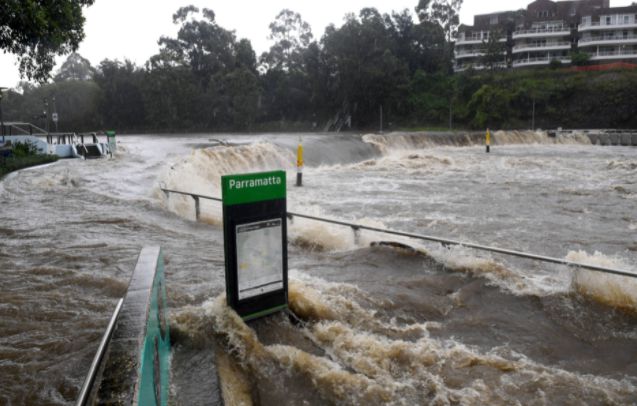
[119,29]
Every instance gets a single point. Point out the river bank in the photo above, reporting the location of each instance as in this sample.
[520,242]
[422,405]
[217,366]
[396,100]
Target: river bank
[8,165]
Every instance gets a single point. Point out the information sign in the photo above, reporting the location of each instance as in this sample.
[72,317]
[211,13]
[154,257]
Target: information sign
[110,136]
[255,242]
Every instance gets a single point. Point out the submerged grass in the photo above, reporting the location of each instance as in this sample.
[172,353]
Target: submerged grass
[8,165]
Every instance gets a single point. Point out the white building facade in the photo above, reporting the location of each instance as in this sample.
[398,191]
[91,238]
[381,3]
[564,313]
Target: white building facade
[550,32]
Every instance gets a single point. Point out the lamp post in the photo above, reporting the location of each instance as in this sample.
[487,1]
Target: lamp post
[55,115]
[2,89]
[45,114]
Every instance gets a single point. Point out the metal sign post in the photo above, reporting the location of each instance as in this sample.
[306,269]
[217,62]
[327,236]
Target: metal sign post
[255,243]
[110,136]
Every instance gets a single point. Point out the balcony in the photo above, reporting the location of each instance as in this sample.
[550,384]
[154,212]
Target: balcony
[539,61]
[463,68]
[472,53]
[468,54]
[551,46]
[597,26]
[475,40]
[608,40]
[543,32]
[613,55]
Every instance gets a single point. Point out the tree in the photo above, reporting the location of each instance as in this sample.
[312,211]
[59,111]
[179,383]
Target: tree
[363,68]
[201,44]
[493,50]
[491,105]
[291,34]
[580,58]
[36,31]
[121,100]
[75,68]
[446,14]
[422,10]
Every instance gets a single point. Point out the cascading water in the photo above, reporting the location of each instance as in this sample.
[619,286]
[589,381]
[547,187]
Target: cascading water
[379,324]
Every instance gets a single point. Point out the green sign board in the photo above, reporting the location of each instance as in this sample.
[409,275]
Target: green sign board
[110,136]
[253,187]
[255,242]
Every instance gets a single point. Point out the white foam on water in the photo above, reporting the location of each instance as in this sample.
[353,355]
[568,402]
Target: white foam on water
[613,290]
[201,171]
[387,143]
[363,364]
[321,236]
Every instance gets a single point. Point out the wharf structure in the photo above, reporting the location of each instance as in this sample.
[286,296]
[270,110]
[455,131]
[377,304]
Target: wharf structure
[548,31]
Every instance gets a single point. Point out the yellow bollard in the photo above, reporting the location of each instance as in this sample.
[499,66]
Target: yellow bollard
[488,141]
[299,165]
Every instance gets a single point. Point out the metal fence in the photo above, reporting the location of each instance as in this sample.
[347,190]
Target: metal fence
[356,228]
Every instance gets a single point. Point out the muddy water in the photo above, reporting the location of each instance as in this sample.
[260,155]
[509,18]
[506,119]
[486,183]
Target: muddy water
[378,324]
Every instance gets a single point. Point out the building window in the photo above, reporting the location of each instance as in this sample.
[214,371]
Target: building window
[626,19]
[493,20]
[608,20]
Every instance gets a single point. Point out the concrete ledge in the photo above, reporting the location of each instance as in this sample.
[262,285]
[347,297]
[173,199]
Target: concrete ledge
[626,139]
[136,366]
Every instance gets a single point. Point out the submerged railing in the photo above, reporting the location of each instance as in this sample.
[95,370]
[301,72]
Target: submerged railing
[444,241]
[99,356]
[131,366]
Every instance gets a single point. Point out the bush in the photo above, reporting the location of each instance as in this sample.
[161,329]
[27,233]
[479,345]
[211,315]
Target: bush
[23,149]
[580,58]
[555,64]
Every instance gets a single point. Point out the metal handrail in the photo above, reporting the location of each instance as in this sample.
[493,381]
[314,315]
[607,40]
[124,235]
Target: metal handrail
[542,31]
[541,46]
[616,38]
[443,241]
[99,355]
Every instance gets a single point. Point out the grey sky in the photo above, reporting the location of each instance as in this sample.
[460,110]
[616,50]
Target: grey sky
[118,29]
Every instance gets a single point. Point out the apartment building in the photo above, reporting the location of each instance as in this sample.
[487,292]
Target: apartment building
[549,31]
[609,35]
[470,47]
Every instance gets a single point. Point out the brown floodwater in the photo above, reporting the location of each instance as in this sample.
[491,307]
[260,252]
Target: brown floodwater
[374,323]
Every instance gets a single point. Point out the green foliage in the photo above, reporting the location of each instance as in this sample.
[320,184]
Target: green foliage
[555,64]
[36,31]
[23,149]
[205,79]
[493,50]
[75,68]
[15,163]
[491,106]
[580,58]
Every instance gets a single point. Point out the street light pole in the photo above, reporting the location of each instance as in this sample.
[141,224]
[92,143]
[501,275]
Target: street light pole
[55,115]
[45,114]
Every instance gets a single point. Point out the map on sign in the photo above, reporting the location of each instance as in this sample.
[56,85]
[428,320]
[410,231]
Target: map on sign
[259,259]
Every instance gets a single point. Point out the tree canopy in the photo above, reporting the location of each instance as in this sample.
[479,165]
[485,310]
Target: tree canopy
[37,31]
[204,78]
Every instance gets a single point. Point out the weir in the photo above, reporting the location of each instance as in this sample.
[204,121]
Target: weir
[604,137]
[444,241]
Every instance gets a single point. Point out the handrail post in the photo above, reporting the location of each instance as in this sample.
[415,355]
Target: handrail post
[357,234]
[197,207]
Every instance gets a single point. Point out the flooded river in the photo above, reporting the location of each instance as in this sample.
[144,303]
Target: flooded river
[379,322]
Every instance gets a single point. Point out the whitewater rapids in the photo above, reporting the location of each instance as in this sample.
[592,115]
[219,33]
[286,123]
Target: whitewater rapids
[379,323]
